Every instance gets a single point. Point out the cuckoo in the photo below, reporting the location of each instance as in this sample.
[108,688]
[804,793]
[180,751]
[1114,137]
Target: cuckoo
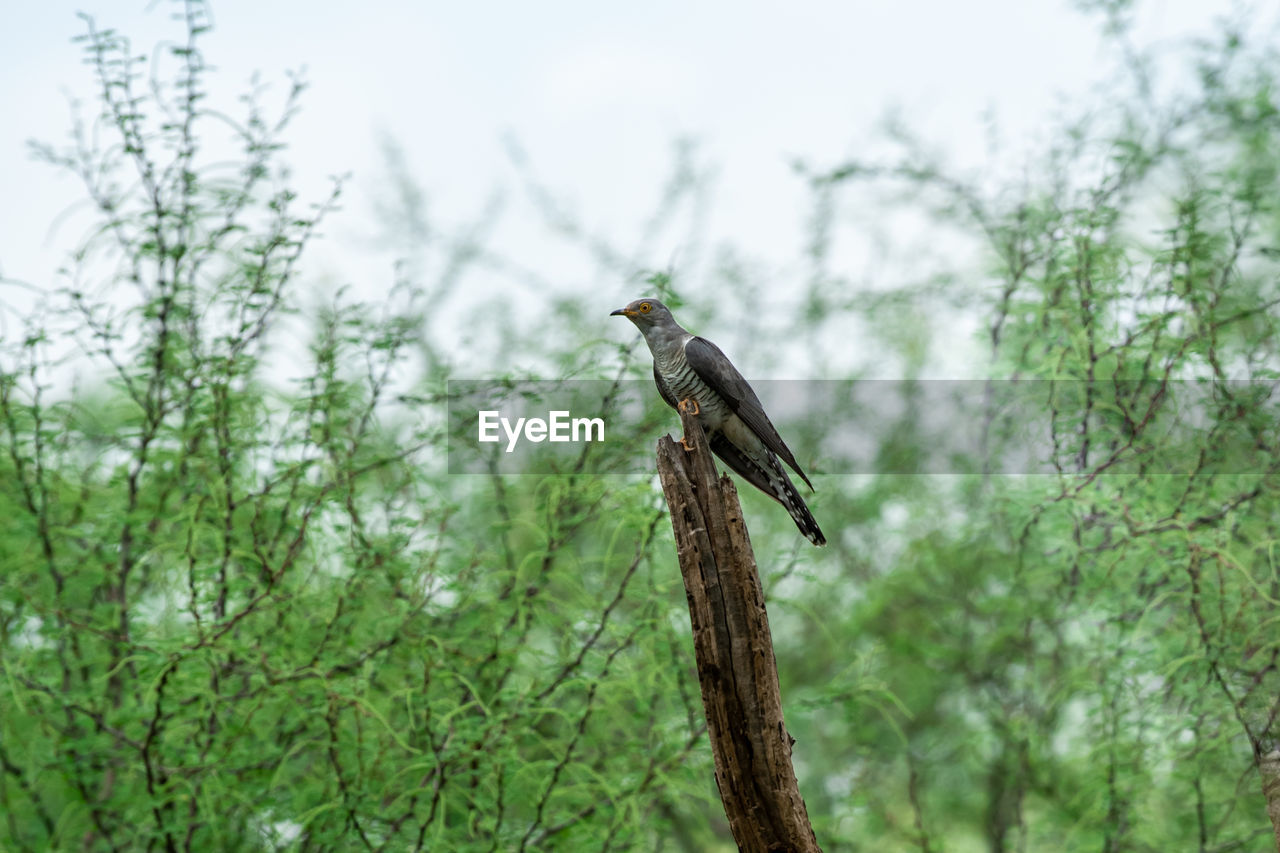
[692,372]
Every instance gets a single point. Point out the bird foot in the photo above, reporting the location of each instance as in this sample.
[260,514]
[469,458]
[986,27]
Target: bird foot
[684,442]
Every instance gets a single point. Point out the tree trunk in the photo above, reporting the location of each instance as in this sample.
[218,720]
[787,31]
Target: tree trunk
[734,652]
[1269,769]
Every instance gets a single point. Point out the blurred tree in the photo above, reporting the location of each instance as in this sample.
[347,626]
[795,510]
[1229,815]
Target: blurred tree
[1088,660]
[244,605]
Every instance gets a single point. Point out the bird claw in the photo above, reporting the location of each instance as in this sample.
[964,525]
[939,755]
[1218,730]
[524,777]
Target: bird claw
[689,405]
[684,442]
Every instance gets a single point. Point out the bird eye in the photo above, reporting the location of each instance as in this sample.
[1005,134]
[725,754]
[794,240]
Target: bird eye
[645,307]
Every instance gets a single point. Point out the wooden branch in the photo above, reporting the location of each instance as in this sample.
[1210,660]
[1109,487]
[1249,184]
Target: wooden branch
[734,652]
[1269,769]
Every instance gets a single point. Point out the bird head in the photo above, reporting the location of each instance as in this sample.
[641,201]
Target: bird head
[645,313]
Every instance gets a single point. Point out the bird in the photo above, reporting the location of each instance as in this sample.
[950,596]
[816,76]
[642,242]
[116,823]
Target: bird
[693,374]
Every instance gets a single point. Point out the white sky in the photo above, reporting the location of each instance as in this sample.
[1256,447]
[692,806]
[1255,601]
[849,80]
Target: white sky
[595,92]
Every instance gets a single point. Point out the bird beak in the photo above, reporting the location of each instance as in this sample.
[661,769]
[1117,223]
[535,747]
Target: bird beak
[622,312]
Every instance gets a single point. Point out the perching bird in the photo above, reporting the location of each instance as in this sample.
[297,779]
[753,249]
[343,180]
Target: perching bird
[692,370]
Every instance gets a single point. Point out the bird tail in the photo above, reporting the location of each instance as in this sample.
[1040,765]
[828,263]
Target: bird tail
[773,481]
[795,505]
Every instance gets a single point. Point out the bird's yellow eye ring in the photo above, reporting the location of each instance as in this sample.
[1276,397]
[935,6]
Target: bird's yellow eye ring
[645,307]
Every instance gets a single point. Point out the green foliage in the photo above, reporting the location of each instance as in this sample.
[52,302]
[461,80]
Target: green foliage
[244,605]
[1088,660]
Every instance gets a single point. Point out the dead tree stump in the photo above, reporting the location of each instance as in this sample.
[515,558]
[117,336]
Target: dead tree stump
[1269,769]
[734,652]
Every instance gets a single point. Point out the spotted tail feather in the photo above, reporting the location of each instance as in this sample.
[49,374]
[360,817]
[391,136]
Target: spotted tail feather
[771,479]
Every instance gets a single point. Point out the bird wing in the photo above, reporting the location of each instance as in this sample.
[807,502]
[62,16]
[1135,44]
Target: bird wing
[714,368]
[743,465]
[775,484]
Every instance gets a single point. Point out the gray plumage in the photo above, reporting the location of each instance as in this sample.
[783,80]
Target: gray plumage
[686,367]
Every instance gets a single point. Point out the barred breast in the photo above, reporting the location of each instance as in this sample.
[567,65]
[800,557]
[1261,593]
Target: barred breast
[684,383]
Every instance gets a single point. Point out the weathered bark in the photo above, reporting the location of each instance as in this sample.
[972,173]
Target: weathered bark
[734,652]
[1269,769]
